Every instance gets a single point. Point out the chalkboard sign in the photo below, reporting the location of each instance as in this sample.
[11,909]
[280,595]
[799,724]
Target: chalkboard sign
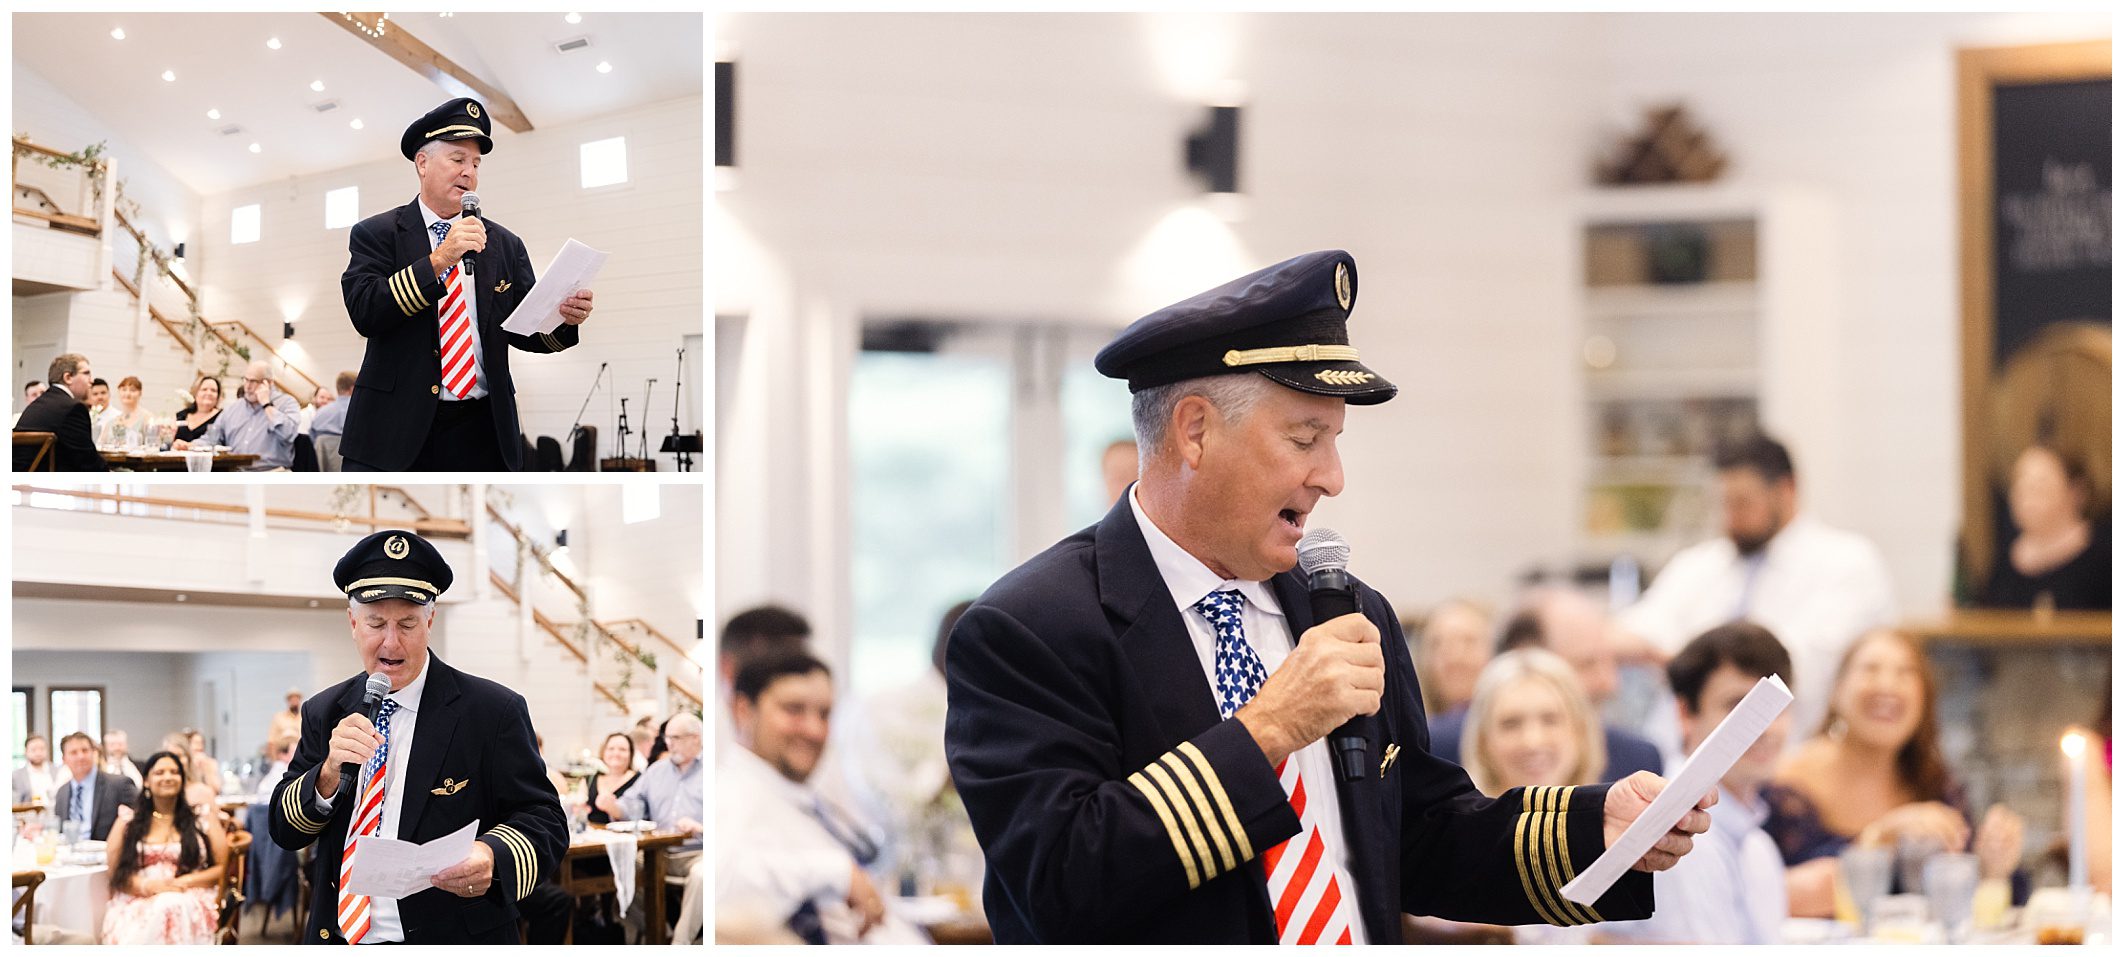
[2036,249]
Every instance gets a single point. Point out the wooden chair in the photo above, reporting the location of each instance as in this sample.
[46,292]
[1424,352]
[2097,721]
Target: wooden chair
[231,894]
[33,452]
[26,905]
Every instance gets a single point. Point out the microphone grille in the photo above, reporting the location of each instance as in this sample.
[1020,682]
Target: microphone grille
[471,200]
[379,685]
[1322,548]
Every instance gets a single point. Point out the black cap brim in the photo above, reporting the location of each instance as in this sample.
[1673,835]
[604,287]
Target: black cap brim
[1349,381]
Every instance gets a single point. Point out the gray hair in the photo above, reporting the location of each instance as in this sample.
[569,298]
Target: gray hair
[432,147]
[1152,409]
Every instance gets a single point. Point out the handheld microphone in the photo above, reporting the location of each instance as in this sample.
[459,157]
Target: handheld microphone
[1325,558]
[471,211]
[372,696]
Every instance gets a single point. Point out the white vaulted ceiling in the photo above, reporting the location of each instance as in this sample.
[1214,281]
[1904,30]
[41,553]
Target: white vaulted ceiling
[221,62]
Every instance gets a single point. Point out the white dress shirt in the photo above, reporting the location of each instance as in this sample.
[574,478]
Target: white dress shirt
[1729,888]
[1189,581]
[384,924]
[44,782]
[1816,588]
[771,855]
[429,218]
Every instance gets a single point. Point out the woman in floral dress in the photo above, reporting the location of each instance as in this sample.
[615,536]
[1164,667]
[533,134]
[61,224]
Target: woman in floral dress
[165,863]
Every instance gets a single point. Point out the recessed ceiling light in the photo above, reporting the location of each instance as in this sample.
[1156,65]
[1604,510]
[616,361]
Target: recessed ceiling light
[317,86]
[169,76]
[573,18]
[272,43]
[213,114]
[604,67]
[313,603]
[184,598]
[254,147]
[355,123]
[118,33]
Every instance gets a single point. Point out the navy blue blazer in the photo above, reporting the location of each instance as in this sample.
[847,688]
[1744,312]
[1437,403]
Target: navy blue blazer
[1073,685]
[73,445]
[473,759]
[391,295]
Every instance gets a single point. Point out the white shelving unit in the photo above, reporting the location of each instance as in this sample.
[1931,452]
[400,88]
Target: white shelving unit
[1673,363]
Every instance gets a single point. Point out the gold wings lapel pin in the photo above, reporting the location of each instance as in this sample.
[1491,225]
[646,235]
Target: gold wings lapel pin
[450,786]
[502,286]
[1392,751]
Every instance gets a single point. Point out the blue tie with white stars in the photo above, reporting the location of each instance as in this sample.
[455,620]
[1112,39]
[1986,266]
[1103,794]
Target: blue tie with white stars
[1239,671]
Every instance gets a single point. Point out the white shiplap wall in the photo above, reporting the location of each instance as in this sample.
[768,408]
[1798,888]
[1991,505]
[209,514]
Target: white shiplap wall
[648,298]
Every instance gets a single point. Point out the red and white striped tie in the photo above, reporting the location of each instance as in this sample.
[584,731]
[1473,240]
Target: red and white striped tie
[1310,906]
[459,374]
[368,819]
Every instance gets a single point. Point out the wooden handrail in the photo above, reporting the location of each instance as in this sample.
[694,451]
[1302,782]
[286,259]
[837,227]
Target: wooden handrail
[433,528]
[21,143]
[518,534]
[636,651]
[652,630]
[406,497]
[547,625]
[141,238]
[126,223]
[68,221]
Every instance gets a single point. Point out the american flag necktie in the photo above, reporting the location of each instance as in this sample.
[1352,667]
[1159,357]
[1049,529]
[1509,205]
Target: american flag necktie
[459,374]
[1308,897]
[368,818]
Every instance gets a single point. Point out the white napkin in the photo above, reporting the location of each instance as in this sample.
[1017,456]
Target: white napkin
[619,849]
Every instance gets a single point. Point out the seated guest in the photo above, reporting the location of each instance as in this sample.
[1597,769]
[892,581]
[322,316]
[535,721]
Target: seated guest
[99,397]
[608,787]
[37,780]
[125,417]
[331,417]
[1730,888]
[165,865]
[1453,645]
[262,422]
[90,797]
[117,759]
[669,793]
[193,420]
[279,752]
[205,770]
[754,631]
[1874,775]
[1574,628]
[2059,556]
[31,390]
[782,854]
[643,734]
[61,412]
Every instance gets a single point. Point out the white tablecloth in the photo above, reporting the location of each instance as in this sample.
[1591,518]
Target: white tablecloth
[72,896]
[619,849]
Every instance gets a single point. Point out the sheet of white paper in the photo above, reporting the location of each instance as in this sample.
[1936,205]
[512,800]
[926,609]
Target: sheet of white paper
[572,268]
[397,869]
[1697,777]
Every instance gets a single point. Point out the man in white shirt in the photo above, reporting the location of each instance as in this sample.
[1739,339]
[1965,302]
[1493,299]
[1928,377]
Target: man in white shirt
[117,759]
[37,780]
[1731,888]
[1817,588]
[783,855]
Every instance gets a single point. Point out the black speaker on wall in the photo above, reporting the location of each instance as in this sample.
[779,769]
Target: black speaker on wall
[725,114]
[1213,151]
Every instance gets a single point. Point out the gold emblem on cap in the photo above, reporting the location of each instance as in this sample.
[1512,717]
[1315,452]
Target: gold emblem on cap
[1342,377]
[472,110]
[396,547]
[1342,285]
[1310,352]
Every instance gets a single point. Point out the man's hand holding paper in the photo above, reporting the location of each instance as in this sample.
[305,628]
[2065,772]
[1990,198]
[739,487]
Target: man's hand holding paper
[562,293]
[398,869]
[1630,797]
[469,877]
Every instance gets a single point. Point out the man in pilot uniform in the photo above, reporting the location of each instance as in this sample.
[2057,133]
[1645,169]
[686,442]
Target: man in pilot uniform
[1138,738]
[434,389]
[447,749]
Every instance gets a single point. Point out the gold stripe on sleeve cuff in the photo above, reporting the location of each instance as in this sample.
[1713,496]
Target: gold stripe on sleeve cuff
[1201,805]
[1224,801]
[526,861]
[1521,859]
[402,288]
[1547,873]
[1172,828]
[1561,836]
[1184,811]
[291,806]
[553,342]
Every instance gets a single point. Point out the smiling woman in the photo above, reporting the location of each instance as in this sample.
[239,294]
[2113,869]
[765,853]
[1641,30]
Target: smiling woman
[1529,725]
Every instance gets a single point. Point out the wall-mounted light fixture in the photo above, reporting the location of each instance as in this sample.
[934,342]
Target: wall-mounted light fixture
[1212,151]
[287,330]
[179,251]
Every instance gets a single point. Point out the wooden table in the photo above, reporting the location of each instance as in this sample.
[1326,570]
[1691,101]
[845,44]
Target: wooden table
[172,461]
[653,847]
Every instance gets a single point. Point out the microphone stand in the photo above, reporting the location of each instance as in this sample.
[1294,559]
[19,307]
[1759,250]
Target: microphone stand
[685,458]
[621,448]
[578,426]
[646,393]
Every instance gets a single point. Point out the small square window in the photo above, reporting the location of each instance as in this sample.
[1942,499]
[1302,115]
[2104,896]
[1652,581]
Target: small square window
[243,225]
[342,207]
[605,162]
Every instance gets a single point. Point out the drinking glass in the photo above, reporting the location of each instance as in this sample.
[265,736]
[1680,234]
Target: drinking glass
[1866,872]
[1950,885]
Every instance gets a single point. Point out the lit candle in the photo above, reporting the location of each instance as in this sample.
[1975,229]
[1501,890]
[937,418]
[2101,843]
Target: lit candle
[2075,747]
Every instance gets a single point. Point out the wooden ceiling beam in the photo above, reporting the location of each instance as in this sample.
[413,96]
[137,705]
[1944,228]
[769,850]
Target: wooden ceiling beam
[396,43]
